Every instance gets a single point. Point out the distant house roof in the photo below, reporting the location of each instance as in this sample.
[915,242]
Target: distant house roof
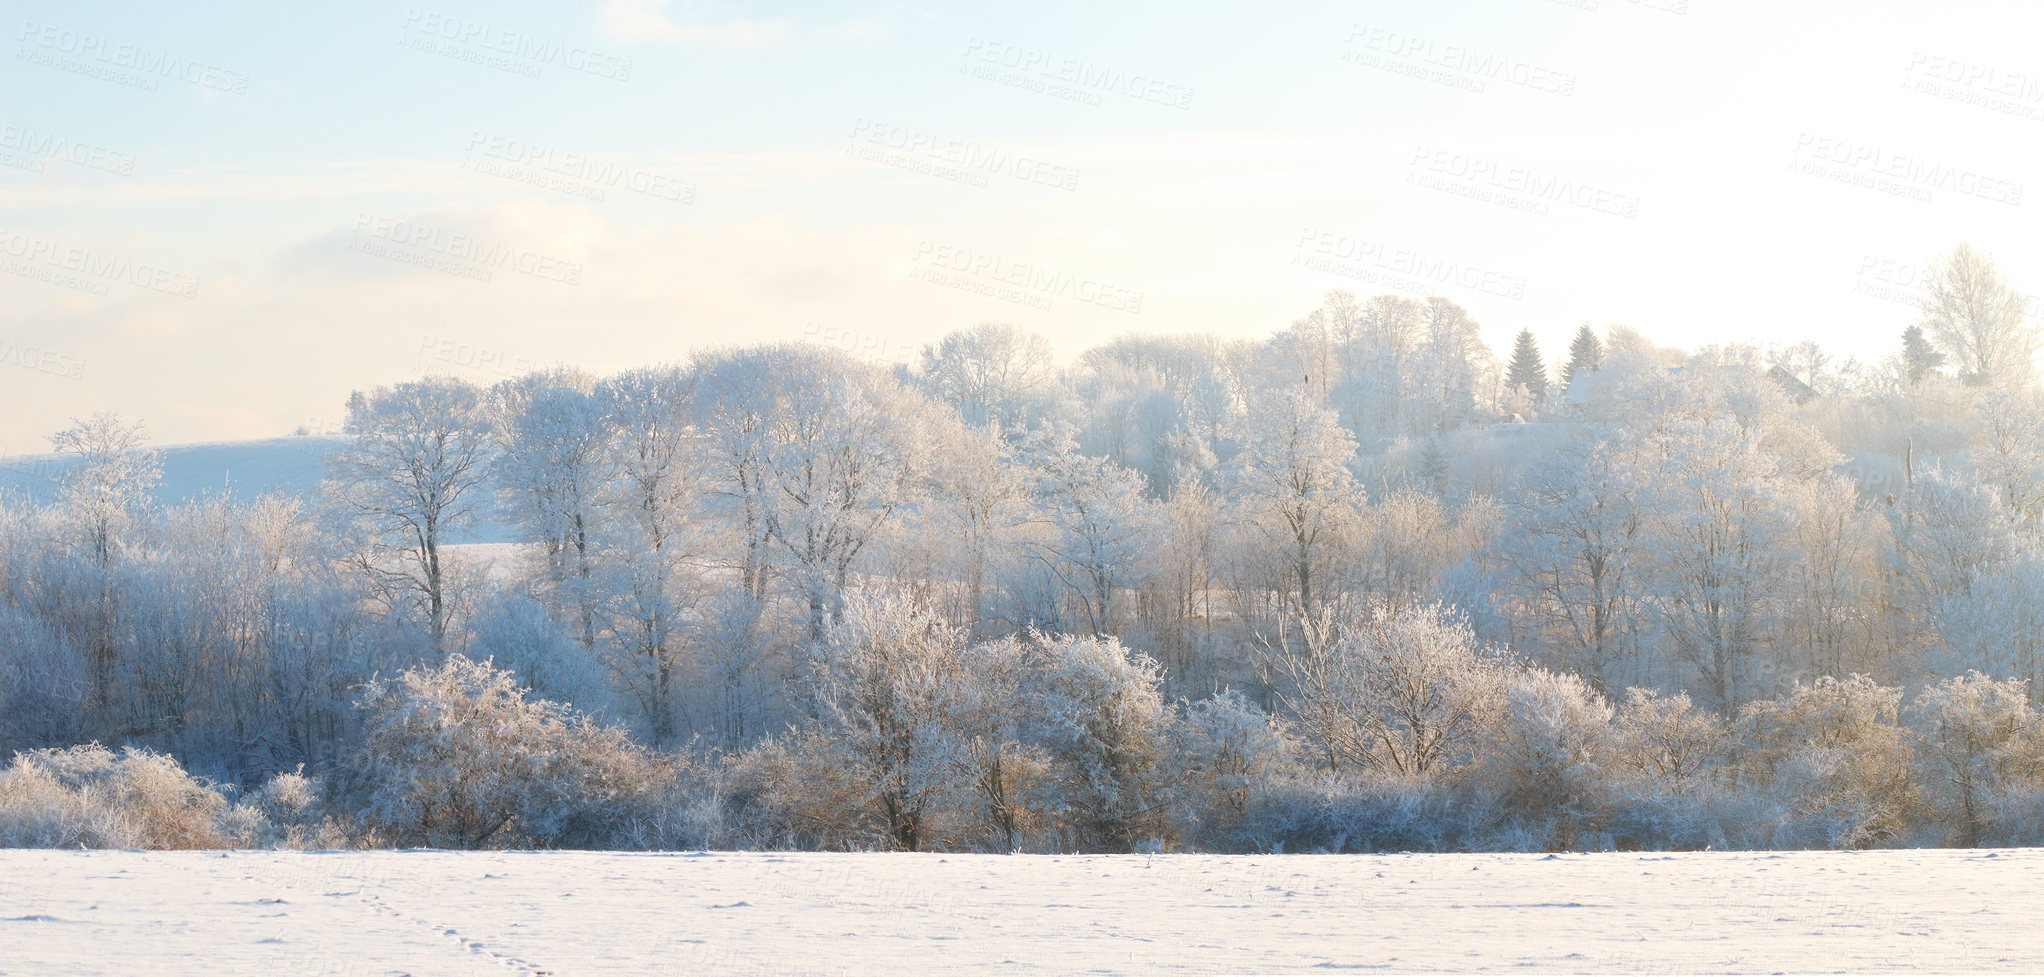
[1797,390]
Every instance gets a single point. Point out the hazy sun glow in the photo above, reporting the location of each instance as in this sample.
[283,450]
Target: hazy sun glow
[220,222]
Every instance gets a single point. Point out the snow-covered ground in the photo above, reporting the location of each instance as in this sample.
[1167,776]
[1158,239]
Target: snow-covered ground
[430,913]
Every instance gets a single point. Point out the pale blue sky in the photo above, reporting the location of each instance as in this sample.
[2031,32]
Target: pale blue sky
[308,202]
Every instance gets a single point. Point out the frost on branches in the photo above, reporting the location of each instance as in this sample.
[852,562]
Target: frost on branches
[1361,584]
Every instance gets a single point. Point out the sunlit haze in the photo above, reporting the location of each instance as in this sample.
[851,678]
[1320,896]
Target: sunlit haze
[220,221]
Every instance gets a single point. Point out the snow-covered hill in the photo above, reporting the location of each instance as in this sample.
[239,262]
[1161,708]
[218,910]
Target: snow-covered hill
[291,466]
[589,914]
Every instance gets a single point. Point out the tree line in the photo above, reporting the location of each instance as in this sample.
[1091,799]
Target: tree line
[1358,584]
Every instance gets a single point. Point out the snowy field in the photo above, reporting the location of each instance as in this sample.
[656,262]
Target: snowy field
[432,913]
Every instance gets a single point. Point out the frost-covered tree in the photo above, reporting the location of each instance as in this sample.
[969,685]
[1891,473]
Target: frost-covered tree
[995,752]
[1831,619]
[1189,561]
[1920,359]
[1099,529]
[991,374]
[920,722]
[1297,495]
[1978,321]
[1411,540]
[877,683]
[1164,407]
[732,408]
[653,503]
[410,475]
[551,466]
[2009,451]
[1455,374]
[978,510]
[1950,533]
[1401,692]
[1377,343]
[105,495]
[819,455]
[1715,548]
[1995,625]
[107,490]
[1573,543]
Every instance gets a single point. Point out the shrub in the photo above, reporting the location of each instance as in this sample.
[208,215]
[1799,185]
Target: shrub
[89,797]
[1835,754]
[886,685]
[1665,742]
[1979,758]
[1334,813]
[288,811]
[1225,751]
[795,791]
[1552,760]
[1100,718]
[1403,692]
[913,738]
[1666,782]
[457,757]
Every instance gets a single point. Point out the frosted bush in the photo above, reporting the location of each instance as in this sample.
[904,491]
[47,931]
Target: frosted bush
[1980,758]
[1334,813]
[794,791]
[88,796]
[288,811]
[1665,741]
[913,739]
[1404,692]
[884,683]
[1834,753]
[1225,751]
[1551,760]
[457,757]
[1099,715]
[1667,788]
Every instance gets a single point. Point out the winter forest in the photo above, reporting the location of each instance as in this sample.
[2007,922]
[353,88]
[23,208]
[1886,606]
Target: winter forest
[1362,585]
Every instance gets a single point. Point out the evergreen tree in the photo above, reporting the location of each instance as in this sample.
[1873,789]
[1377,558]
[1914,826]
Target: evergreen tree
[1919,357]
[1585,353]
[1526,369]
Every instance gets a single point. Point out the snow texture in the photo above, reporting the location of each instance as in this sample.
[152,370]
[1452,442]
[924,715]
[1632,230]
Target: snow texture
[522,913]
